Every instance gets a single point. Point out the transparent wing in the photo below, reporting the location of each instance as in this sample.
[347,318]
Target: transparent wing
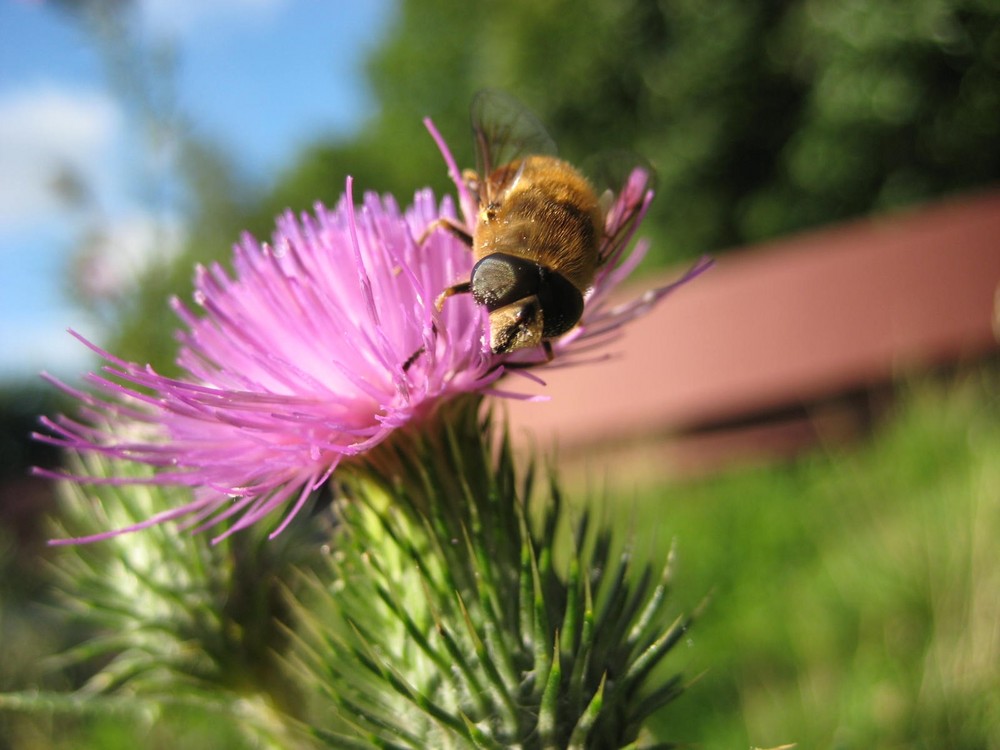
[624,183]
[504,130]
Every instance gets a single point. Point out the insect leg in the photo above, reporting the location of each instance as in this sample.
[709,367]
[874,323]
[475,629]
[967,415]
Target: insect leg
[464,288]
[450,226]
[413,358]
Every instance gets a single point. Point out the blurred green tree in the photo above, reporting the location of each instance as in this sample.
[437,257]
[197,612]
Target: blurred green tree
[761,118]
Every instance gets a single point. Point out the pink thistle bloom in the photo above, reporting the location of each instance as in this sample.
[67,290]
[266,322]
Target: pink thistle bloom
[319,346]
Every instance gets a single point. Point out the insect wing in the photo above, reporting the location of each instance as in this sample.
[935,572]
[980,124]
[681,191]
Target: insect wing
[624,182]
[504,130]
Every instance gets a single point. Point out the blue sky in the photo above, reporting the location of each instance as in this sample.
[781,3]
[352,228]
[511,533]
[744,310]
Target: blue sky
[260,76]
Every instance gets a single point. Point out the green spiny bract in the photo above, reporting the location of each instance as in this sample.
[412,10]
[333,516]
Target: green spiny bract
[451,618]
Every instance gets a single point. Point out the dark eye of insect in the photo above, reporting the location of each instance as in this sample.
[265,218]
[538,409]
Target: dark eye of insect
[561,302]
[499,279]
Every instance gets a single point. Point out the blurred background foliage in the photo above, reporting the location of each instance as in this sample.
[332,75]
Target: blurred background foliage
[760,117]
[856,599]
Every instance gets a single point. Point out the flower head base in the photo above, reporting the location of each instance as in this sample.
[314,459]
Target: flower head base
[318,347]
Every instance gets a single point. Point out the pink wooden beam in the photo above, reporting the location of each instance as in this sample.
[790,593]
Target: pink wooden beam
[788,323]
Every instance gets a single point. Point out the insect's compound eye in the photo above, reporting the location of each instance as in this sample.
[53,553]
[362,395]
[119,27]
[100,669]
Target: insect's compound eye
[561,303]
[500,279]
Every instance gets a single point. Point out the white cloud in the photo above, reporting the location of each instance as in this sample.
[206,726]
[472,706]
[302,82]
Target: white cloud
[47,132]
[34,337]
[115,258]
[171,17]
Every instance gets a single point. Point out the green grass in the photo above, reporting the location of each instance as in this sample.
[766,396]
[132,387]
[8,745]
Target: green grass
[855,597]
[855,592]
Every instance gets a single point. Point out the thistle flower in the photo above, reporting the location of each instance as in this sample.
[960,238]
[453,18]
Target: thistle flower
[318,347]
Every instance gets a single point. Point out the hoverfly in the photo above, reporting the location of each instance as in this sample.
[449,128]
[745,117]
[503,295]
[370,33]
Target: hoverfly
[542,230]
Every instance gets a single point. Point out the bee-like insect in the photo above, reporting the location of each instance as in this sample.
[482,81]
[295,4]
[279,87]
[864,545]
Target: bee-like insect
[541,233]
